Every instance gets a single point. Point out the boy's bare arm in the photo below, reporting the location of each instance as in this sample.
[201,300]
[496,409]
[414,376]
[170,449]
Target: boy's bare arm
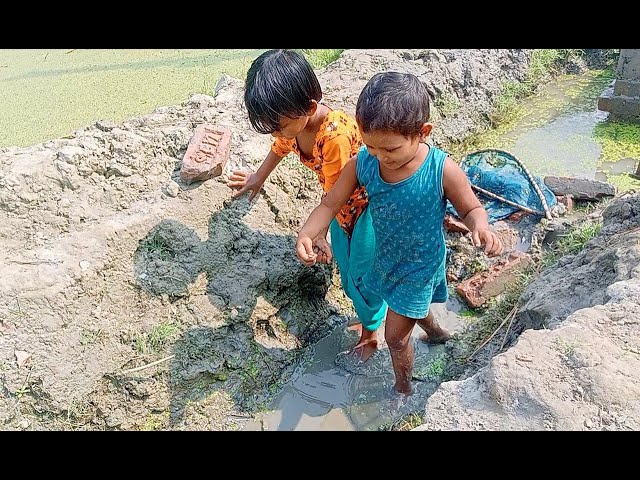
[458,190]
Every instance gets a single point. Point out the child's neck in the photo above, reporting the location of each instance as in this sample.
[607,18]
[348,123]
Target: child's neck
[408,169]
[306,139]
[313,125]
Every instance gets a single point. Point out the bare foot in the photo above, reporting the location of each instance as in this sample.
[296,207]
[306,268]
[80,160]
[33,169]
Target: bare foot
[433,334]
[367,345]
[403,390]
[435,337]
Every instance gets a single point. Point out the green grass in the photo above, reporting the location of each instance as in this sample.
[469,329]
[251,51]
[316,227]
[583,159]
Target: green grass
[516,114]
[448,104]
[157,339]
[406,423]
[49,93]
[566,348]
[320,58]
[624,182]
[572,242]
[154,422]
[544,62]
[433,370]
[90,337]
[469,312]
[156,245]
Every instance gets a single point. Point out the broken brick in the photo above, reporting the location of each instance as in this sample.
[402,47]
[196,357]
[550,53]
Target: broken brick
[206,154]
[479,289]
[517,216]
[567,201]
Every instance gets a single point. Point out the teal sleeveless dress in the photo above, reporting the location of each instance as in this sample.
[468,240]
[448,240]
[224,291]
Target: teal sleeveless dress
[408,270]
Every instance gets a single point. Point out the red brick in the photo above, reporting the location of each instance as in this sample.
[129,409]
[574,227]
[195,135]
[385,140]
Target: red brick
[567,201]
[206,154]
[483,286]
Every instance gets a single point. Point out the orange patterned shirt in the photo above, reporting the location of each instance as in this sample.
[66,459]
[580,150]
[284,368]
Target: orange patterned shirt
[336,142]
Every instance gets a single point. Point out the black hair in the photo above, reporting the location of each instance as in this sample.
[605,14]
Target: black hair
[280,83]
[393,102]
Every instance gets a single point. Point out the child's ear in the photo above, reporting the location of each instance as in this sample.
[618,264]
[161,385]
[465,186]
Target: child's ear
[312,109]
[425,131]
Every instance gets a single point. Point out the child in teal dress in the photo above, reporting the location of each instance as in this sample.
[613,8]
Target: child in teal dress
[408,183]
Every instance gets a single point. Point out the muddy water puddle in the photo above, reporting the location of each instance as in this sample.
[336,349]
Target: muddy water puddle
[334,392]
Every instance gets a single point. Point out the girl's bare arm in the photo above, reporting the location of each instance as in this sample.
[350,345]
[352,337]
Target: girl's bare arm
[322,215]
[458,190]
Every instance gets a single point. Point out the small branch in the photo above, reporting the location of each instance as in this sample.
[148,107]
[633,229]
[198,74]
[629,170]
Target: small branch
[507,318]
[137,369]
[35,262]
[508,328]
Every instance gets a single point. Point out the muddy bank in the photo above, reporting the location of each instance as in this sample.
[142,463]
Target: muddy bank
[109,263]
[575,363]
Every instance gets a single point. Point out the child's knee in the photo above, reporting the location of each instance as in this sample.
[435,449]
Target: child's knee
[395,341]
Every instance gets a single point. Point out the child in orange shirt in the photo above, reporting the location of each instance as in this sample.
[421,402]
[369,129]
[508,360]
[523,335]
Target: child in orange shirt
[283,98]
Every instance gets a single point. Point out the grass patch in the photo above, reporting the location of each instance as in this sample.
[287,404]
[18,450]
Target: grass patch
[157,246]
[566,348]
[432,370]
[48,93]
[448,104]
[18,311]
[624,182]
[154,422]
[544,62]
[320,58]
[89,337]
[579,94]
[406,423]
[157,339]
[470,312]
[587,208]
[572,242]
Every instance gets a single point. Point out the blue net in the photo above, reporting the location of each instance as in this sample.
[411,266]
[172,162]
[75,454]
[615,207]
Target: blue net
[500,173]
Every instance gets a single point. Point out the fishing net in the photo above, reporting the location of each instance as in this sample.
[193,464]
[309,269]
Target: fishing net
[500,173]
